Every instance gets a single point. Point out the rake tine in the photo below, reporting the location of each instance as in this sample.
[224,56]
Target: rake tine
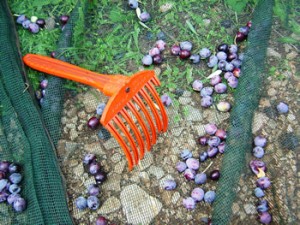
[137,134]
[121,125]
[161,106]
[118,137]
[141,122]
[153,109]
[138,100]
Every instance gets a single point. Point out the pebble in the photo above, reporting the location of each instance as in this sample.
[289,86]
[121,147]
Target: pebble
[292,55]
[273,53]
[110,205]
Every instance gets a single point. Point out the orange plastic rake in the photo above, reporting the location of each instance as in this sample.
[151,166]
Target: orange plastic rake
[131,99]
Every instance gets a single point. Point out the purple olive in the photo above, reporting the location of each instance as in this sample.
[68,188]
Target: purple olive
[53,54]
[223,106]
[44,84]
[93,189]
[88,158]
[215,80]
[210,128]
[195,58]
[101,220]
[14,188]
[144,17]
[282,108]
[15,178]
[3,196]
[227,75]
[220,88]
[13,168]
[94,168]
[262,206]
[221,147]
[64,19]
[93,202]
[236,72]
[222,64]
[221,56]
[223,47]
[203,140]
[166,100]
[100,177]
[244,30]
[229,67]
[231,56]
[175,50]
[185,154]
[26,23]
[147,60]
[12,198]
[204,53]
[258,152]
[203,156]
[212,152]
[192,163]
[214,141]
[233,48]
[3,184]
[260,141]
[209,196]
[213,61]
[263,182]
[206,101]
[41,23]
[157,59]
[93,123]
[200,178]
[33,28]
[21,19]
[221,134]
[4,165]
[240,37]
[197,194]
[232,82]
[184,54]
[133,4]
[214,175]
[197,85]
[2,175]
[181,166]
[186,45]
[169,185]
[189,174]
[256,164]
[189,203]
[237,63]
[206,91]
[265,218]
[249,24]
[19,204]
[154,51]
[161,45]
[81,202]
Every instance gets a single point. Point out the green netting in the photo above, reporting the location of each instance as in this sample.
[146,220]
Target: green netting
[246,101]
[24,136]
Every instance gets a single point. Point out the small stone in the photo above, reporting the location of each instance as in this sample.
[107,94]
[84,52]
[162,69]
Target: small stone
[156,171]
[112,204]
[273,53]
[250,209]
[292,55]
[206,22]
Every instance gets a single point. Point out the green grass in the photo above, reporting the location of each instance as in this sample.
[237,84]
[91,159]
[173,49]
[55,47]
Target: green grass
[114,42]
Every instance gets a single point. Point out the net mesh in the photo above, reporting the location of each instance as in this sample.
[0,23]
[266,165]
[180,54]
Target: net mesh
[49,139]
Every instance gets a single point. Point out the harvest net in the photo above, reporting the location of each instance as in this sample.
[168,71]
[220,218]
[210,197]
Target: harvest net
[49,138]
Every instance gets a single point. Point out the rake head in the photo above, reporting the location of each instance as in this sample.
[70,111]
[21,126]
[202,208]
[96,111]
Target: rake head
[134,114]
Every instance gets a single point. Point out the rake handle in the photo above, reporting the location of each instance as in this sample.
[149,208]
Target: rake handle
[108,84]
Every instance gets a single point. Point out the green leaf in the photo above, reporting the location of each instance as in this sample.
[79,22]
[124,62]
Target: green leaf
[191,27]
[116,16]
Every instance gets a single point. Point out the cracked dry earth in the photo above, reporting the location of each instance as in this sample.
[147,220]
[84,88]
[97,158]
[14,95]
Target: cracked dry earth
[136,197]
